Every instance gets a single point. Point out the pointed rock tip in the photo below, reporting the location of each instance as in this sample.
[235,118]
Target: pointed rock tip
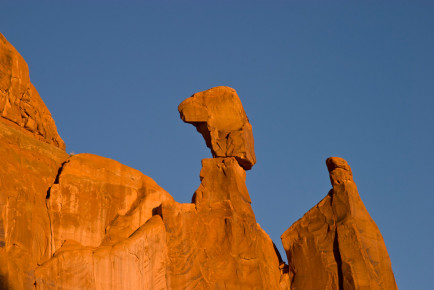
[339,170]
[219,116]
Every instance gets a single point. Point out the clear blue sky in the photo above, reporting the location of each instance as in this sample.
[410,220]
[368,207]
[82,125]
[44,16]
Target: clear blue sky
[344,78]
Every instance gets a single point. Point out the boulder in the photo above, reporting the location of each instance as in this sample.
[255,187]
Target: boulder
[219,116]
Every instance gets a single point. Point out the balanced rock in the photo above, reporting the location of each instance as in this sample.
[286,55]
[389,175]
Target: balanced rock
[89,222]
[215,242]
[336,244]
[219,116]
[20,103]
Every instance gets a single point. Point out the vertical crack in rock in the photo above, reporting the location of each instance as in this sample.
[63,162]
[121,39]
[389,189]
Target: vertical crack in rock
[47,200]
[338,260]
[56,180]
[214,242]
[345,249]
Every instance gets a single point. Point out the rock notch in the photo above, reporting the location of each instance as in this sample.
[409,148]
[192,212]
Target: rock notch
[219,116]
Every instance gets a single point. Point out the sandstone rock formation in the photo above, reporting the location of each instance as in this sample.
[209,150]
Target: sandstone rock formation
[215,243]
[28,169]
[89,222]
[29,165]
[19,101]
[337,245]
[219,116]
[102,225]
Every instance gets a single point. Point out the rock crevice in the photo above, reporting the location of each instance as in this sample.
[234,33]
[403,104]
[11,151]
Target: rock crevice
[89,222]
[343,244]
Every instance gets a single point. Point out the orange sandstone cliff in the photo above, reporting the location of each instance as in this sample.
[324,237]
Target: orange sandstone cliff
[89,222]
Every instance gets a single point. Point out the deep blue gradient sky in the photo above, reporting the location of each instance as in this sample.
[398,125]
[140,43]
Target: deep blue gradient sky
[353,80]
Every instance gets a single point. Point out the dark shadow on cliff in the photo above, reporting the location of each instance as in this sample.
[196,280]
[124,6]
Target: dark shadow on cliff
[4,283]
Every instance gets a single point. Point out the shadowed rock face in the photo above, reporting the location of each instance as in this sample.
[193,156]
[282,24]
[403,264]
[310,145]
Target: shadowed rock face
[336,244]
[219,116]
[89,222]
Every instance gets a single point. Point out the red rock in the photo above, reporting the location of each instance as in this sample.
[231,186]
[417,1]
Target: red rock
[20,103]
[219,116]
[137,262]
[28,169]
[215,243]
[93,196]
[103,228]
[88,222]
[337,245]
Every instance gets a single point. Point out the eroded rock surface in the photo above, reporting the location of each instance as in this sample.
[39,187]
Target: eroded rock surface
[219,116]
[136,262]
[104,232]
[336,244]
[27,170]
[96,199]
[89,222]
[20,103]
[215,243]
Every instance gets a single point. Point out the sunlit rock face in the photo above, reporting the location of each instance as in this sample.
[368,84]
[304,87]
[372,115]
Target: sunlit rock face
[337,245]
[104,234]
[20,103]
[215,243]
[31,153]
[219,116]
[27,170]
[88,222]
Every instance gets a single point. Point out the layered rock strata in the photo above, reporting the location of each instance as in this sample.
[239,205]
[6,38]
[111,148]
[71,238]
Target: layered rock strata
[336,244]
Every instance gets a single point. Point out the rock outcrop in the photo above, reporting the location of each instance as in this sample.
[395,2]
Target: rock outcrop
[31,154]
[337,245]
[28,169]
[219,116]
[215,243]
[102,225]
[88,222]
[20,103]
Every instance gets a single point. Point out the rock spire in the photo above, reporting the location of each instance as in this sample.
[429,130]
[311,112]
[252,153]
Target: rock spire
[88,222]
[336,244]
